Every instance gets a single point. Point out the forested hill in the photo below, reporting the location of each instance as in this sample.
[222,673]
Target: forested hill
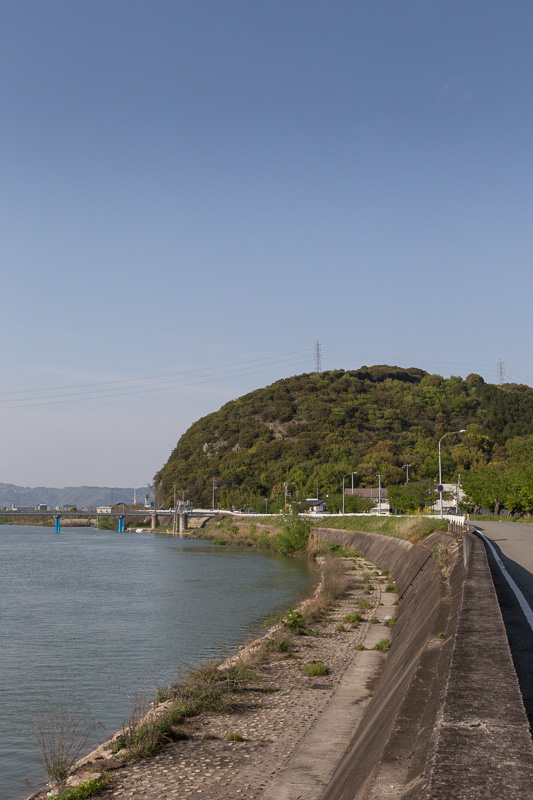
[312,429]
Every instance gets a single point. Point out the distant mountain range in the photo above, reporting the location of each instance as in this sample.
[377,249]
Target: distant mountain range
[79,496]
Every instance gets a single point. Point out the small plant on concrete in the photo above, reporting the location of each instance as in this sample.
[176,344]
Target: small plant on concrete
[374,620]
[340,628]
[391,588]
[355,617]
[360,647]
[364,604]
[276,645]
[390,623]
[295,621]
[315,668]
[209,736]
[62,734]
[235,737]
[383,644]
[85,789]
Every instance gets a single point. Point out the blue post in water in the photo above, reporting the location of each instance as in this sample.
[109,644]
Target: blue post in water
[121,524]
[58,523]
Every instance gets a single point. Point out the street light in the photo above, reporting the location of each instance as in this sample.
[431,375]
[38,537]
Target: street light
[451,433]
[343,477]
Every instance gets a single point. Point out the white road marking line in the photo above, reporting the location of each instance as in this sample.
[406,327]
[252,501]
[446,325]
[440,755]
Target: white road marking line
[524,605]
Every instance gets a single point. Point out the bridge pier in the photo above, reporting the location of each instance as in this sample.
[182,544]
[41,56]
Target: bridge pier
[183,521]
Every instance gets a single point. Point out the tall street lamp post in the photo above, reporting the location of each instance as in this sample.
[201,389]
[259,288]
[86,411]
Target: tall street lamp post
[343,477]
[451,433]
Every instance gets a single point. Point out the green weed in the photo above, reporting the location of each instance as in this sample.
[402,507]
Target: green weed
[315,668]
[85,789]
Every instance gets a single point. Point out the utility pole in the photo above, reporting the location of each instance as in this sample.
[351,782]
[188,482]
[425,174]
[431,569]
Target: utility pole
[406,466]
[379,494]
[214,487]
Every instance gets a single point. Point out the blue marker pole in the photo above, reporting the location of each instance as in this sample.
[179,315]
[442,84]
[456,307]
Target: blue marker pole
[121,524]
[58,523]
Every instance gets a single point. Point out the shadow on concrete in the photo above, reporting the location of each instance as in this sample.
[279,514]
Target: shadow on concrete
[519,633]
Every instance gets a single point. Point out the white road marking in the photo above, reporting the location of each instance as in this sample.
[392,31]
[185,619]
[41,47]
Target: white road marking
[524,605]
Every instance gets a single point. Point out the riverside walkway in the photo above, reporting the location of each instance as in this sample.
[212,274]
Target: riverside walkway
[294,730]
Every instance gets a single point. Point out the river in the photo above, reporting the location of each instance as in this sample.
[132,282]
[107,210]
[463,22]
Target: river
[95,616]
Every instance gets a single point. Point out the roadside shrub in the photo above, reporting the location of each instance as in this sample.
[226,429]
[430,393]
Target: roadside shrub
[383,644]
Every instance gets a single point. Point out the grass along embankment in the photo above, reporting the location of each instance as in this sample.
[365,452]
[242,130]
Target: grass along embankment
[292,534]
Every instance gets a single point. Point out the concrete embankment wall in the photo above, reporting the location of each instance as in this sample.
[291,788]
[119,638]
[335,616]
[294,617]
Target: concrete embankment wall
[446,719]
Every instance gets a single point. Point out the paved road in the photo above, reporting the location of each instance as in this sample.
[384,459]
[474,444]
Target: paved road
[513,542]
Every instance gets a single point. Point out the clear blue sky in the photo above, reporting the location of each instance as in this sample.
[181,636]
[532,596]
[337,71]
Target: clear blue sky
[202,189]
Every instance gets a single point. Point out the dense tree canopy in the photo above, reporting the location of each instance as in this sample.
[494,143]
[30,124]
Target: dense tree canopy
[311,430]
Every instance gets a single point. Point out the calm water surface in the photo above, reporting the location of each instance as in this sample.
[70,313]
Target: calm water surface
[95,615]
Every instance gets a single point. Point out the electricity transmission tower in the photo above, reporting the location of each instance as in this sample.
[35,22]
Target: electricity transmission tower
[318,359]
[501,372]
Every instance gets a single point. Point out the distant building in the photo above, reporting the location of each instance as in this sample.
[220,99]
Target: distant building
[452,495]
[104,510]
[42,507]
[372,493]
[315,506]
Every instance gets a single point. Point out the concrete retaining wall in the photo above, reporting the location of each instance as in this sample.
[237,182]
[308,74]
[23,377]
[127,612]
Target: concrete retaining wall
[447,719]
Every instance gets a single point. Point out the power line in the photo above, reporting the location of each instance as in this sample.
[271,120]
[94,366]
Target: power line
[253,362]
[109,393]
